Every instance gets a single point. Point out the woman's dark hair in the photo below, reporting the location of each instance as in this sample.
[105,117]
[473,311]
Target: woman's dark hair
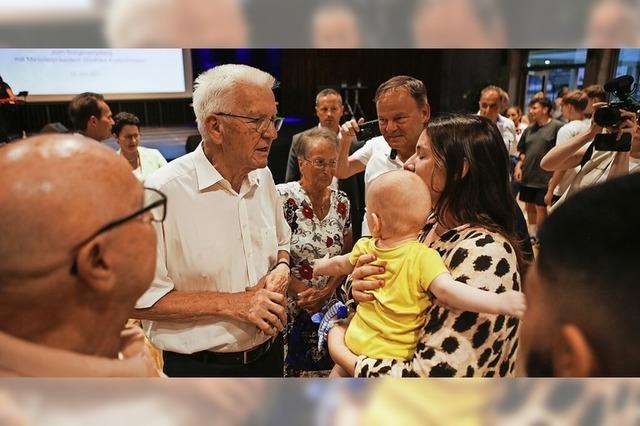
[483,196]
[123,119]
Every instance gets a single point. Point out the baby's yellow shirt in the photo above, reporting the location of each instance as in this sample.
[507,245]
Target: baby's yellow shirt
[389,326]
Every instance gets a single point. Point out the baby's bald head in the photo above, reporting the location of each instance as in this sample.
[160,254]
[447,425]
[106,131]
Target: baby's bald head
[401,200]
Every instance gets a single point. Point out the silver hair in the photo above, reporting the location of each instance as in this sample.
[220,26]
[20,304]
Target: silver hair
[308,139]
[213,89]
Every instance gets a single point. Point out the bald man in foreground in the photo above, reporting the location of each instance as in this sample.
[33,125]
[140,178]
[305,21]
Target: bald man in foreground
[76,252]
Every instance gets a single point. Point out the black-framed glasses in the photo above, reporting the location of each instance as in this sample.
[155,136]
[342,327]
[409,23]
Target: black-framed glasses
[262,123]
[155,203]
[321,164]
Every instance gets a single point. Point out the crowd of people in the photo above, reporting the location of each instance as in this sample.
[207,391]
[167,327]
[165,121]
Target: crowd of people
[418,232]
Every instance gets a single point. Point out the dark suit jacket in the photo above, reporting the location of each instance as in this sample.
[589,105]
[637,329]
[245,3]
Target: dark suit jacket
[353,186]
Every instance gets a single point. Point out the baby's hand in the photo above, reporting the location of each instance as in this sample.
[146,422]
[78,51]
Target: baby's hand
[514,303]
[320,266]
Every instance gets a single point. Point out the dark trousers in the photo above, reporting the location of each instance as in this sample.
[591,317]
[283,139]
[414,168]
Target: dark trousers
[268,365]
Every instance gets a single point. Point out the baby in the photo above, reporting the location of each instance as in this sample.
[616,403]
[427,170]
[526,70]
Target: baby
[398,205]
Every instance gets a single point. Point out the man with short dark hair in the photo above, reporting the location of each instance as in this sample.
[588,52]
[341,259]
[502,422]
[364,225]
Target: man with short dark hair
[403,109]
[582,293]
[534,143]
[91,116]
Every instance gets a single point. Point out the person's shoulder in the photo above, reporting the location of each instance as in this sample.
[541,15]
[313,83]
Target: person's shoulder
[341,195]
[174,170]
[557,124]
[287,188]
[477,239]
[479,251]
[150,151]
[507,122]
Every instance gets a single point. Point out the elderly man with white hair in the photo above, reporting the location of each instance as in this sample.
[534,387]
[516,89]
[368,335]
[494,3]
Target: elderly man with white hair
[216,305]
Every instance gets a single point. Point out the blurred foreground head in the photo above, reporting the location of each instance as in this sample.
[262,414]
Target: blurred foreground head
[176,23]
[582,295]
[66,279]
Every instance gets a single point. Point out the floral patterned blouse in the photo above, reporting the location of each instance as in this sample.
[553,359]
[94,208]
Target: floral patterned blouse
[312,238]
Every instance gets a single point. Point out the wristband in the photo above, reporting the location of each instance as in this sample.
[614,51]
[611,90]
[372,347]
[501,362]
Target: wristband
[281,262]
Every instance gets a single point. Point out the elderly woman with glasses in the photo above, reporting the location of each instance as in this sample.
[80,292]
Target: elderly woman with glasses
[318,216]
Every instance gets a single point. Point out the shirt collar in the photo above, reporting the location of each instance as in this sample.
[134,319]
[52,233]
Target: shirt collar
[207,175]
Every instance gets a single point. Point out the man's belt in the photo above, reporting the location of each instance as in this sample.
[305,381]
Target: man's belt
[233,358]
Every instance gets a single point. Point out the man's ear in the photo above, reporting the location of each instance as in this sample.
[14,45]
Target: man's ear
[93,266]
[425,111]
[574,357]
[214,128]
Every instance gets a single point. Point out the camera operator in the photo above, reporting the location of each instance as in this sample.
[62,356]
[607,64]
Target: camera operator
[596,166]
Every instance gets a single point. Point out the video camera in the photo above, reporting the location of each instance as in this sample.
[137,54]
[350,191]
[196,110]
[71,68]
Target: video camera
[609,115]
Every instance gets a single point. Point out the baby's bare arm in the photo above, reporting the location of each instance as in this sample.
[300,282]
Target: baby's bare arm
[462,296]
[334,267]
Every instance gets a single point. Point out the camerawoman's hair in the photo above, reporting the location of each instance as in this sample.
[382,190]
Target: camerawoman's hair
[213,89]
[483,196]
[587,262]
[82,107]
[415,87]
[123,119]
[308,140]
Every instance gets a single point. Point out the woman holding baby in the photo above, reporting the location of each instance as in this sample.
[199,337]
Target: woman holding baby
[465,165]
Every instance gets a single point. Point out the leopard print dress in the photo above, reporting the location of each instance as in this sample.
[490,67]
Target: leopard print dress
[455,343]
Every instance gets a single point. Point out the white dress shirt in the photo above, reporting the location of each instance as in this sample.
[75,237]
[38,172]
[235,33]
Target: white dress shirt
[375,155]
[508,132]
[213,239]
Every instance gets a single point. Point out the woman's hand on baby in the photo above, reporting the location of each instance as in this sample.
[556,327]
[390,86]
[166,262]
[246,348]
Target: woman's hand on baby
[514,303]
[360,285]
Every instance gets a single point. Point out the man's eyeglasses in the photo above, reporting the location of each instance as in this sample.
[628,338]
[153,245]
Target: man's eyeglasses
[321,164]
[262,123]
[155,205]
